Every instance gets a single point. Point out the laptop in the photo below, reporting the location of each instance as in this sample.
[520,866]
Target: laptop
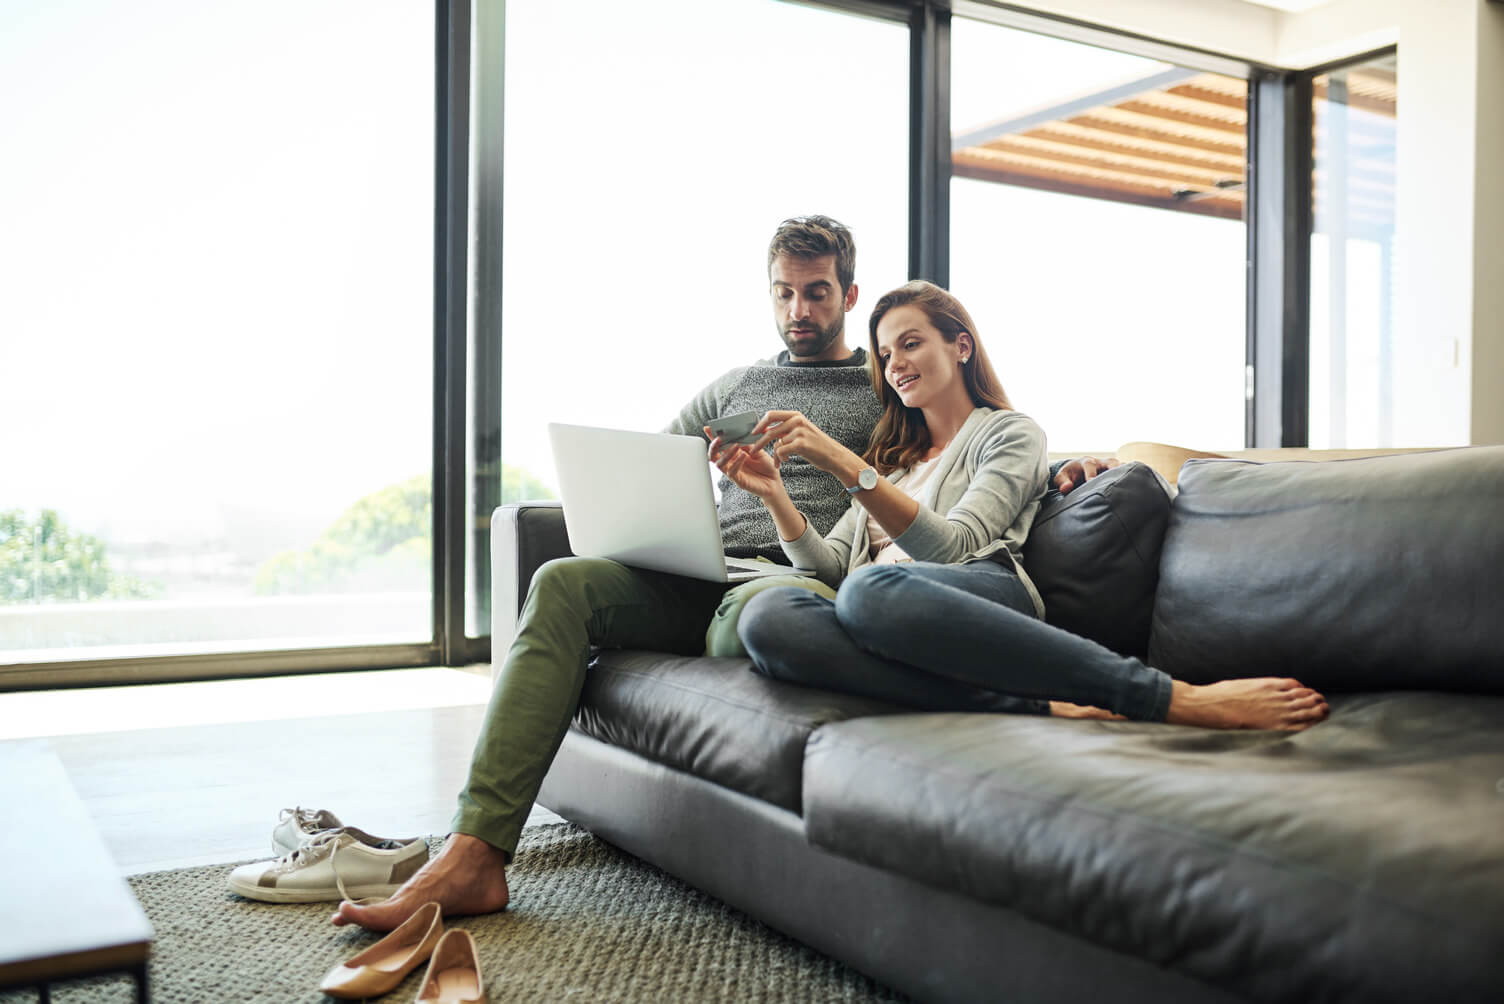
[645,499]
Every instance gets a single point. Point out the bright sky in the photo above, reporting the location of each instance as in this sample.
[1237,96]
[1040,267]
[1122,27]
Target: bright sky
[216,260]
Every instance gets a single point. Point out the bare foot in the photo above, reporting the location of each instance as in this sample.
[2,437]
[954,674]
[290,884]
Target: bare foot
[1065,709]
[467,876]
[1263,703]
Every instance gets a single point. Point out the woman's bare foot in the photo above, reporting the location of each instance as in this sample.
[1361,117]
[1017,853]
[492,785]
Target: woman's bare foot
[1065,709]
[467,876]
[1263,703]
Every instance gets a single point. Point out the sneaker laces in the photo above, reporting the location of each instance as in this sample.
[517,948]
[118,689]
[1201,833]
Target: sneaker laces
[305,818]
[313,852]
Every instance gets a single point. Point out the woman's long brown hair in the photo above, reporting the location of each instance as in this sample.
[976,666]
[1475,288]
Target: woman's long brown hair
[901,435]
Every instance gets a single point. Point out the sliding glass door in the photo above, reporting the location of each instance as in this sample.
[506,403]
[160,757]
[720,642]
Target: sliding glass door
[1097,235]
[217,327]
[651,149]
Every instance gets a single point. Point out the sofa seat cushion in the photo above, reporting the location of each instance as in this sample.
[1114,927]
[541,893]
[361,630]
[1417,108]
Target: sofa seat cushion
[714,718]
[1362,859]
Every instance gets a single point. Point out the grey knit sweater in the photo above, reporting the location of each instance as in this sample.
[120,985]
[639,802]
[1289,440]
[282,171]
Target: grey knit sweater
[835,396]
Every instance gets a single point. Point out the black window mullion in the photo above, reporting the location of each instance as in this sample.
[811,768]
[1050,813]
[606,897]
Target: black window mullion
[929,143]
[450,278]
[1279,256]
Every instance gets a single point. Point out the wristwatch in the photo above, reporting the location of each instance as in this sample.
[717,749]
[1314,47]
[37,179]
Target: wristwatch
[865,481]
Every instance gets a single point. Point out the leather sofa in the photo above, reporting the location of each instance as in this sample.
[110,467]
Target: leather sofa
[987,857]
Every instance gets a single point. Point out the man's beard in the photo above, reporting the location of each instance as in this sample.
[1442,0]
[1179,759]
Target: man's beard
[824,337]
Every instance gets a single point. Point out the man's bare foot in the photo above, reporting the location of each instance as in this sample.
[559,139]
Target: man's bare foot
[1263,703]
[1065,709]
[467,876]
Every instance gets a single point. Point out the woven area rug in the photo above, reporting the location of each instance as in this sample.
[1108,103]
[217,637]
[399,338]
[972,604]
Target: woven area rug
[586,921]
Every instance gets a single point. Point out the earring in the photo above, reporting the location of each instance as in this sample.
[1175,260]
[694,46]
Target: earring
[965,360]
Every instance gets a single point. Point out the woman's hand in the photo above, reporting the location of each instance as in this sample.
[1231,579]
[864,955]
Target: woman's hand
[749,468]
[794,435]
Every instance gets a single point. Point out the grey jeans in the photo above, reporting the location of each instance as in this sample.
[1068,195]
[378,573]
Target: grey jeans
[942,638]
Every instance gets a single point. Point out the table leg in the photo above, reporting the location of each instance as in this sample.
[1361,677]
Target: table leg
[143,989]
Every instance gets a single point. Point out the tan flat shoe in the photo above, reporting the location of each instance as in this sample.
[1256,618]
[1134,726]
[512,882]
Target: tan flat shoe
[453,975]
[379,969]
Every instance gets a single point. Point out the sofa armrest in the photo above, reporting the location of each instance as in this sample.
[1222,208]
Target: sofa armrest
[523,536]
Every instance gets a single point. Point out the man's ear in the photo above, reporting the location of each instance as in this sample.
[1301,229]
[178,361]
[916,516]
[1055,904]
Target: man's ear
[851,296]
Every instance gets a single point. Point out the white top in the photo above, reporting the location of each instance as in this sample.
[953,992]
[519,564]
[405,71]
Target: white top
[913,482]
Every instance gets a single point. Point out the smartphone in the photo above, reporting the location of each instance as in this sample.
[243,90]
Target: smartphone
[736,428]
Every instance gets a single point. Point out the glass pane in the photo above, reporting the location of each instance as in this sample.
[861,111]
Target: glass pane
[1352,256]
[1097,236]
[218,332]
[651,151]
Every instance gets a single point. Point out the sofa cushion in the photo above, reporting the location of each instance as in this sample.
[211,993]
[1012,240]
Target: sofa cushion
[1358,860]
[1094,556]
[714,718]
[1365,574]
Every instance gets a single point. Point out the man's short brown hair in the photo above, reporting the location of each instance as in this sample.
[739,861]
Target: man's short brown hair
[809,237]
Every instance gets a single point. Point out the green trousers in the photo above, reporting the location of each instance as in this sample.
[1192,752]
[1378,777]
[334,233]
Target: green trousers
[575,604]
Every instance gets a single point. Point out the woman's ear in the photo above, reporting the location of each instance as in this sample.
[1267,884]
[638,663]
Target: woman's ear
[966,345]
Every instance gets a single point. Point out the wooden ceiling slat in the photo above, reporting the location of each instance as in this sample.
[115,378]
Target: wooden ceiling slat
[1138,130]
[1199,93]
[1185,118]
[1367,102]
[1164,152]
[1061,184]
[1166,184]
[1143,166]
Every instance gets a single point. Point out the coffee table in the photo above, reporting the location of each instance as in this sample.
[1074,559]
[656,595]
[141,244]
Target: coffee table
[68,912]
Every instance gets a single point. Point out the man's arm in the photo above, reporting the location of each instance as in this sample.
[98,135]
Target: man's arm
[1070,474]
[703,407]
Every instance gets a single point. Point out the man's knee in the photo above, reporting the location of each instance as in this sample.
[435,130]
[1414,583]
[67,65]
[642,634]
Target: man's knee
[565,583]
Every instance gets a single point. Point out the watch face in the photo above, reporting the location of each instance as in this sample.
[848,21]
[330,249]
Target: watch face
[867,479]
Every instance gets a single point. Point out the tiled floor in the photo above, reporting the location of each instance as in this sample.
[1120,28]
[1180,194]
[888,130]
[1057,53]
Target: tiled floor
[194,773]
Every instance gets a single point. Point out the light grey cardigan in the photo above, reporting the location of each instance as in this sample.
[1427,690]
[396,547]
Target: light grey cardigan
[988,483]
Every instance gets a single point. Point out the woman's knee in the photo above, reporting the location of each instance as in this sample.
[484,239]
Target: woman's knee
[872,596]
[765,617]
[769,630]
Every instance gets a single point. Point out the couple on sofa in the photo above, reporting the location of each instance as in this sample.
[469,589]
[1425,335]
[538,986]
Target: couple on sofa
[947,487]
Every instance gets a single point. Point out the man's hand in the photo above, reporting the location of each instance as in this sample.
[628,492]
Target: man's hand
[750,469]
[1075,473]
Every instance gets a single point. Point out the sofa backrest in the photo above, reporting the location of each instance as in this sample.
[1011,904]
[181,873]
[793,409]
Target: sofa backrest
[1369,574]
[1094,556]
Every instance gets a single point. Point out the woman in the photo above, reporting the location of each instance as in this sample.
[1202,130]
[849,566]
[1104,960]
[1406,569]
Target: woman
[934,609]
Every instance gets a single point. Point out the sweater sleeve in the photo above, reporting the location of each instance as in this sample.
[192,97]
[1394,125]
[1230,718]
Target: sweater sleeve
[704,406]
[1011,471]
[828,556]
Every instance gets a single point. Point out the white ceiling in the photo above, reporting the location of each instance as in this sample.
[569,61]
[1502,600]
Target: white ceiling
[1290,6]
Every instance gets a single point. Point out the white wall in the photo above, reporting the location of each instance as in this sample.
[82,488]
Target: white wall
[1449,311]
[1488,232]
[1229,27]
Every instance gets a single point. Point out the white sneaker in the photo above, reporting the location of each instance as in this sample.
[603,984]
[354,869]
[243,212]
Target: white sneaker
[296,826]
[337,864]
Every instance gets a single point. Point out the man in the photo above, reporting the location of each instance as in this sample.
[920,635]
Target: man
[575,603]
